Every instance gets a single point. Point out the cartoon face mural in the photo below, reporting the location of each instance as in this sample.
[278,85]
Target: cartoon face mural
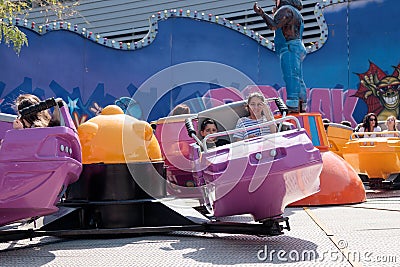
[380,91]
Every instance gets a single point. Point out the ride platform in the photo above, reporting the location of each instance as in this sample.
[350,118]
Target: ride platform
[364,234]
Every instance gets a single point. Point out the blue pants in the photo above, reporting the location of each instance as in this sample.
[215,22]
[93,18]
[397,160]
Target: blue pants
[291,58]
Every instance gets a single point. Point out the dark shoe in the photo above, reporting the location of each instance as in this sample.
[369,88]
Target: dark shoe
[303,106]
[292,110]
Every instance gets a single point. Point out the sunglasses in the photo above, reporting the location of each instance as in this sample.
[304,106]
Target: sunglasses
[372,119]
[390,120]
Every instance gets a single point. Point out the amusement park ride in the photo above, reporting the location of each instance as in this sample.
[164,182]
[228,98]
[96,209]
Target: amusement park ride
[374,156]
[114,175]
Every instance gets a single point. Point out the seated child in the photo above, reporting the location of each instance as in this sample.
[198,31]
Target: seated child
[209,126]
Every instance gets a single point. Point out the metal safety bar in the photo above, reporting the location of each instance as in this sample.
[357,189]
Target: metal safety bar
[358,135]
[237,130]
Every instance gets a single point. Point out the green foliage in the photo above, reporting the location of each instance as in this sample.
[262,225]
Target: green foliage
[11,35]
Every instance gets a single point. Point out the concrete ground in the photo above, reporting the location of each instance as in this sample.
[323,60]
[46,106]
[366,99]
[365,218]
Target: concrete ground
[366,234]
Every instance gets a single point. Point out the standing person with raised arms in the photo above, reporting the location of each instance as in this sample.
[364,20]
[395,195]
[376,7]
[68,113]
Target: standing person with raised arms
[288,25]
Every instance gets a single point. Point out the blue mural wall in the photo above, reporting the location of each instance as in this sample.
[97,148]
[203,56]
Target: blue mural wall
[188,58]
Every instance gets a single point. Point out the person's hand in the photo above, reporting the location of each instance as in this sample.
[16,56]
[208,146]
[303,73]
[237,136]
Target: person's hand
[265,110]
[259,11]
[17,124]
